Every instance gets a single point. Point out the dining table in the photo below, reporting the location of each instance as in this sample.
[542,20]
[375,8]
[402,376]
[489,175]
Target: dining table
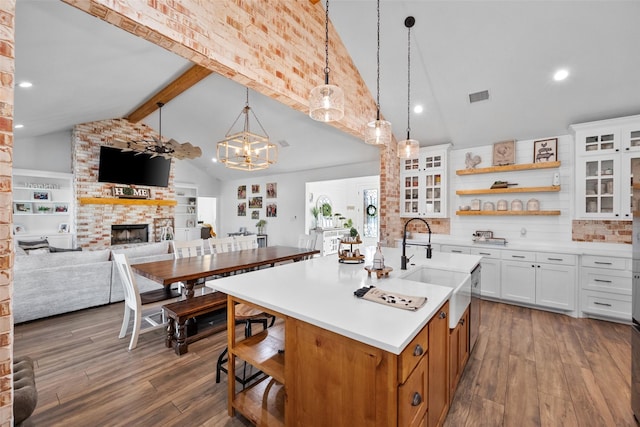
[190,270]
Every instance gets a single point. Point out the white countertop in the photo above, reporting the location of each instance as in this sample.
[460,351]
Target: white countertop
[320,292]
[577,248]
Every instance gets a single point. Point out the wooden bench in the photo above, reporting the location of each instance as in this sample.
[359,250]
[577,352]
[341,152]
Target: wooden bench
[181,311]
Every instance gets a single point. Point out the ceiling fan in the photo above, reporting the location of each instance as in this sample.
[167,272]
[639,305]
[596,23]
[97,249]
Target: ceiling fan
[157,147]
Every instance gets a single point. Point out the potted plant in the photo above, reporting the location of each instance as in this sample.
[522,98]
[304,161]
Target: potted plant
[315,211]
[260,224]
[44,209]
[354,234]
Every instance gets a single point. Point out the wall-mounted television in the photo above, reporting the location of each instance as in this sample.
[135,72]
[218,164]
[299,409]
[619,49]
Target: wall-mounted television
[130,167]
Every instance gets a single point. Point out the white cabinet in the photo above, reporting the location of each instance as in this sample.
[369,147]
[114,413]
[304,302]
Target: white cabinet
[606,288]
[607,153]
[423,183]
[43,207]
[490,272]
[454,249]
[329,240]
[186,212]
[543,279]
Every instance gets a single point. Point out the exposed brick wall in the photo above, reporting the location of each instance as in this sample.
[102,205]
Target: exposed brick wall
[93,221]
[7,67]
[601,231]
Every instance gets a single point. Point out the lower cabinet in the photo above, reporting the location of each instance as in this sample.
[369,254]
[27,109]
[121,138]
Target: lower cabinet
[458,352]
[606,288]
[490,273]
[543,279]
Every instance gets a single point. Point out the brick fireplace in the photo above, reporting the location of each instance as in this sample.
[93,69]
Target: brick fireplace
[94,220]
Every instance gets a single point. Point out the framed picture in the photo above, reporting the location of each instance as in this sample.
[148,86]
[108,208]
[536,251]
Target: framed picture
[545,150]
[255,188]
[60,208]
[63,227]
[159,224]
[22,208]
[255,214]
[504,153]
[255,202]
[272,210]
[242,209]
[272,190]
[41,195]
[191,223]
[242,192]
[19,229]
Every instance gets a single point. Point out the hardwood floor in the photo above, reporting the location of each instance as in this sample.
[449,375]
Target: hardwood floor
[529,368]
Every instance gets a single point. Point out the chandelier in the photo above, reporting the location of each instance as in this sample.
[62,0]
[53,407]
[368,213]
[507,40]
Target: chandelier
[378,132]
[246,150]
[158,147]
[326,102]
[409,148]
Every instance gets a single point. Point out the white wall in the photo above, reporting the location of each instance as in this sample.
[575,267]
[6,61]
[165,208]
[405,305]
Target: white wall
[51,152]
[291,201]
[538,228]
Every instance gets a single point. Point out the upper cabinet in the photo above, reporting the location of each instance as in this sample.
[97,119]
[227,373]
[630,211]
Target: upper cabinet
[423,183]
[606,152]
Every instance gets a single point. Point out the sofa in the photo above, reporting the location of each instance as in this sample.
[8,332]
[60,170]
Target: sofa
[47,284]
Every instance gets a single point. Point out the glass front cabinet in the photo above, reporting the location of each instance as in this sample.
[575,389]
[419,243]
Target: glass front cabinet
[423,191]
[607,156]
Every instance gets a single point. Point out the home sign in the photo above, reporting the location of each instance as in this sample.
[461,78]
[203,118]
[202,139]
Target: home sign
[127,192]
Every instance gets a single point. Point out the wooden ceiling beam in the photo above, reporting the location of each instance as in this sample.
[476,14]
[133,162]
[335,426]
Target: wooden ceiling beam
[314,1]
[189,78]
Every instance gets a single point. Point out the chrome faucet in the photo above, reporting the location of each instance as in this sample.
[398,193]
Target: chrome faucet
[404,259]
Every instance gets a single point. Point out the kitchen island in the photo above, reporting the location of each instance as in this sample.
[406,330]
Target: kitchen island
[339,360]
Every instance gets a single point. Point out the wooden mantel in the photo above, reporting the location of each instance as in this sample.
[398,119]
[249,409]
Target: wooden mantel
[116,201]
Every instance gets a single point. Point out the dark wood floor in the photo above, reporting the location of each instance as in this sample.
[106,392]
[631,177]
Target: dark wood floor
[529,368]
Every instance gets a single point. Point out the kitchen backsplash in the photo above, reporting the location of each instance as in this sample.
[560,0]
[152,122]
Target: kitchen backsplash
[602,231]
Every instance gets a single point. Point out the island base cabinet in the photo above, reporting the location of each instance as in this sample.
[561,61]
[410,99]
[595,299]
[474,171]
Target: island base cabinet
[458,351]
[332,380]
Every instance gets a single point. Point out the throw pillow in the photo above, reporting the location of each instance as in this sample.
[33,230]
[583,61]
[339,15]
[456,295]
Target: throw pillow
[38,251]
[54,249]
[30,245]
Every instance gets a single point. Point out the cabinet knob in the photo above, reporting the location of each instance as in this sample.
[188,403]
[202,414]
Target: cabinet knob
[418,351]
[443,315]
[417,399]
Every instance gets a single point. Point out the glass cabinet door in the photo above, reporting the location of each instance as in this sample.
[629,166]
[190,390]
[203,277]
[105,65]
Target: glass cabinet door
[410,193]
[601,192]
[598,141]
[433,193]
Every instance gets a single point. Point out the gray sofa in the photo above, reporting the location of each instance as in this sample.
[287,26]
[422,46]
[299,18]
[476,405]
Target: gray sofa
[47,284]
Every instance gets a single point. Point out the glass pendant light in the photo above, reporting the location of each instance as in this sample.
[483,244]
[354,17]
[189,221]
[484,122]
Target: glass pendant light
[409,148]
[378,132]
[326,102]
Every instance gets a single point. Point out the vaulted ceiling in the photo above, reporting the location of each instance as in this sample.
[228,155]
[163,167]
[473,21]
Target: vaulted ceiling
[84,69]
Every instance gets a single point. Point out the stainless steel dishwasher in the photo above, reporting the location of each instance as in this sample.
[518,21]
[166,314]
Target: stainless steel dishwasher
[474,307]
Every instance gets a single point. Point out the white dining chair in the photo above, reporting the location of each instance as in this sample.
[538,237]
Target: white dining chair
[153,318]
[246,242]
[221,244]
[188,248]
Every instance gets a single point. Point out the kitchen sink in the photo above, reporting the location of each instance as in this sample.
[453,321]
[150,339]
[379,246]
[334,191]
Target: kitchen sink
[458,281]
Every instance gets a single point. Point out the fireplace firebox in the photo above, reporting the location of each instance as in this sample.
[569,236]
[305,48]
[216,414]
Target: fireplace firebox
[129,233]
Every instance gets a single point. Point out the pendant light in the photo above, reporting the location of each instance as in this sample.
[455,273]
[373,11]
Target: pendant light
[246,150]
[409,148]
[378,132]
[326,102]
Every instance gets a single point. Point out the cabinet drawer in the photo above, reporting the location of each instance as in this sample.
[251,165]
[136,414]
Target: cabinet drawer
[519,255]
[605,304]
[604,262]
[555,258]
[412,354]
[412,396]
[487,253]
[607,281]
[455,249]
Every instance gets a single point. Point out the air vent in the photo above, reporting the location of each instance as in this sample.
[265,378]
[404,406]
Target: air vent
[283,143]
[479,96]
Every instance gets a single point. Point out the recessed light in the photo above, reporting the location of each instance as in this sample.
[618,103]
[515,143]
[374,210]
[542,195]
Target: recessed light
[214,160]
[18,126]
[25,84]
[561,75]
[418,109]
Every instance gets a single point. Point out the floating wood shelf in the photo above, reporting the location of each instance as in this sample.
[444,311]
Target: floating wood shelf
[264,350]
[509,168]
[116,201]
[506,213]
[550,189]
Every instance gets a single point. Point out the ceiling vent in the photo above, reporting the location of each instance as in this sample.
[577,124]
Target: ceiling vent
[479,96]
[283,143]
